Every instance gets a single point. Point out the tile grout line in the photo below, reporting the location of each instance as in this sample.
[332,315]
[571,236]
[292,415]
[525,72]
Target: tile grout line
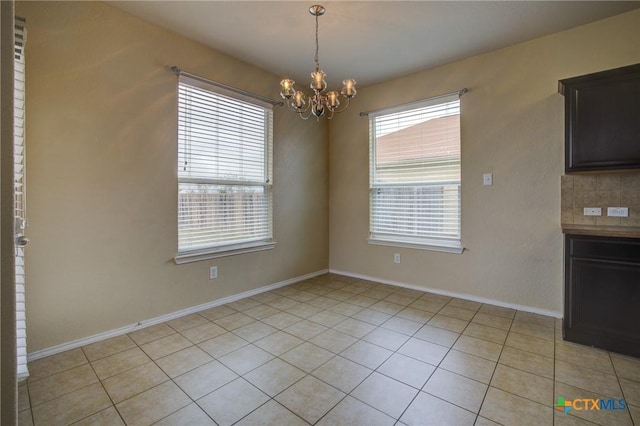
[438,366]
[338,355]
[275,357]
[151,360]
[382,363]
[103,388]
[361,308]
[361,339]
[628,410]
[31,406]
[271,398]
[468,323]
[170,379]
[152,387]
[30,402]
[176,332]
[334,355]
[496,364]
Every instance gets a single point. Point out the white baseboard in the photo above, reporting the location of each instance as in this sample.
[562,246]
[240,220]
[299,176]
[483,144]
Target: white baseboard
[163,318]
[550,313]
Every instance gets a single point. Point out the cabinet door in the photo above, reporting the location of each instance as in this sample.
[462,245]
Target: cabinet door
[602,120]
[602,293]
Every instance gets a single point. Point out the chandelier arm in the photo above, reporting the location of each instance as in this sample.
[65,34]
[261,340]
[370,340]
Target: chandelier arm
[301,114]
[344,107]
[299,111]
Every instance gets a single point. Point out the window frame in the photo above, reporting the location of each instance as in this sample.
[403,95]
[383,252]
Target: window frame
[221,249]
[432,243]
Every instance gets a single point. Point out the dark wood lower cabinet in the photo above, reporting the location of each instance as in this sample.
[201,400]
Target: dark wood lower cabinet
[602,292]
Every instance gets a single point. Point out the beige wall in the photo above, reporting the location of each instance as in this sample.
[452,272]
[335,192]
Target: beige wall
[512,126]
[102,172]
[101,167]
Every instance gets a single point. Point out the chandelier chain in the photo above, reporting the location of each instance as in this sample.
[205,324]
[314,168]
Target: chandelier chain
[317,44]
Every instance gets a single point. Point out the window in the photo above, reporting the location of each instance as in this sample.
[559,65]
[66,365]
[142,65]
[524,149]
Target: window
[415,175]
[224,172]
[19,182]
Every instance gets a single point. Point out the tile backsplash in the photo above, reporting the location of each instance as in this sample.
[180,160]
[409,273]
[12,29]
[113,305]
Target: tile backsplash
[600,190]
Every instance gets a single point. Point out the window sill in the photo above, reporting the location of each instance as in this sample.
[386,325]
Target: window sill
[431,245]
[214,253]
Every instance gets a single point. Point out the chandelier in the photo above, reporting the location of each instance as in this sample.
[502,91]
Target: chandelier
[319,103]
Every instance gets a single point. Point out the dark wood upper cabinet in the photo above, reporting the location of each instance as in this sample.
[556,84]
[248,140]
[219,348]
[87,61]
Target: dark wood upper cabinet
[602,120]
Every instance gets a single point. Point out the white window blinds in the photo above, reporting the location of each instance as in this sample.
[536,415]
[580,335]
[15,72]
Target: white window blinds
[224,168]
[19,190]
[415,173]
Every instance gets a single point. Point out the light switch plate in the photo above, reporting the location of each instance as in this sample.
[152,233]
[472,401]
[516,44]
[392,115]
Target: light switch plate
[592,211]
[618,211]
[487,179]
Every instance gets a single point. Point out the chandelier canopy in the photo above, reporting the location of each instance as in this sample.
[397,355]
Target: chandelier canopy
[319,103]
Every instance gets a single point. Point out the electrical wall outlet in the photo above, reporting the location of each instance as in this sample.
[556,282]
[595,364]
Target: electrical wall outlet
[213,272]
[592,211]
[618,211]
[396,258]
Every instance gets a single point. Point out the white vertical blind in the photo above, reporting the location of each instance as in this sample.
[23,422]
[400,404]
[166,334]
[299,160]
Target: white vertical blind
[415,173]
[224,168]
[19,188]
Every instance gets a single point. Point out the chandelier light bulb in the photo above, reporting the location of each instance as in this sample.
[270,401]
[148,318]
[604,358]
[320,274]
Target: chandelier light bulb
[332,100]
[317,81]
[299,100]
[349,88]
[287,88]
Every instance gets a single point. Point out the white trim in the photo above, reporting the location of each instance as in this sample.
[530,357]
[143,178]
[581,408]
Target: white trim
[546,312]
[167,317]
[432,245]
[216,252]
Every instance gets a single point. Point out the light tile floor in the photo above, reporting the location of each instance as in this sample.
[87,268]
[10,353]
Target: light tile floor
[334,350]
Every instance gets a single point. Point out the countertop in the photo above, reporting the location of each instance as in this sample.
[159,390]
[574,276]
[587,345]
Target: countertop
[602,231]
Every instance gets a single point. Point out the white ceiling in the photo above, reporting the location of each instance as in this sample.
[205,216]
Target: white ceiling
[370,41]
